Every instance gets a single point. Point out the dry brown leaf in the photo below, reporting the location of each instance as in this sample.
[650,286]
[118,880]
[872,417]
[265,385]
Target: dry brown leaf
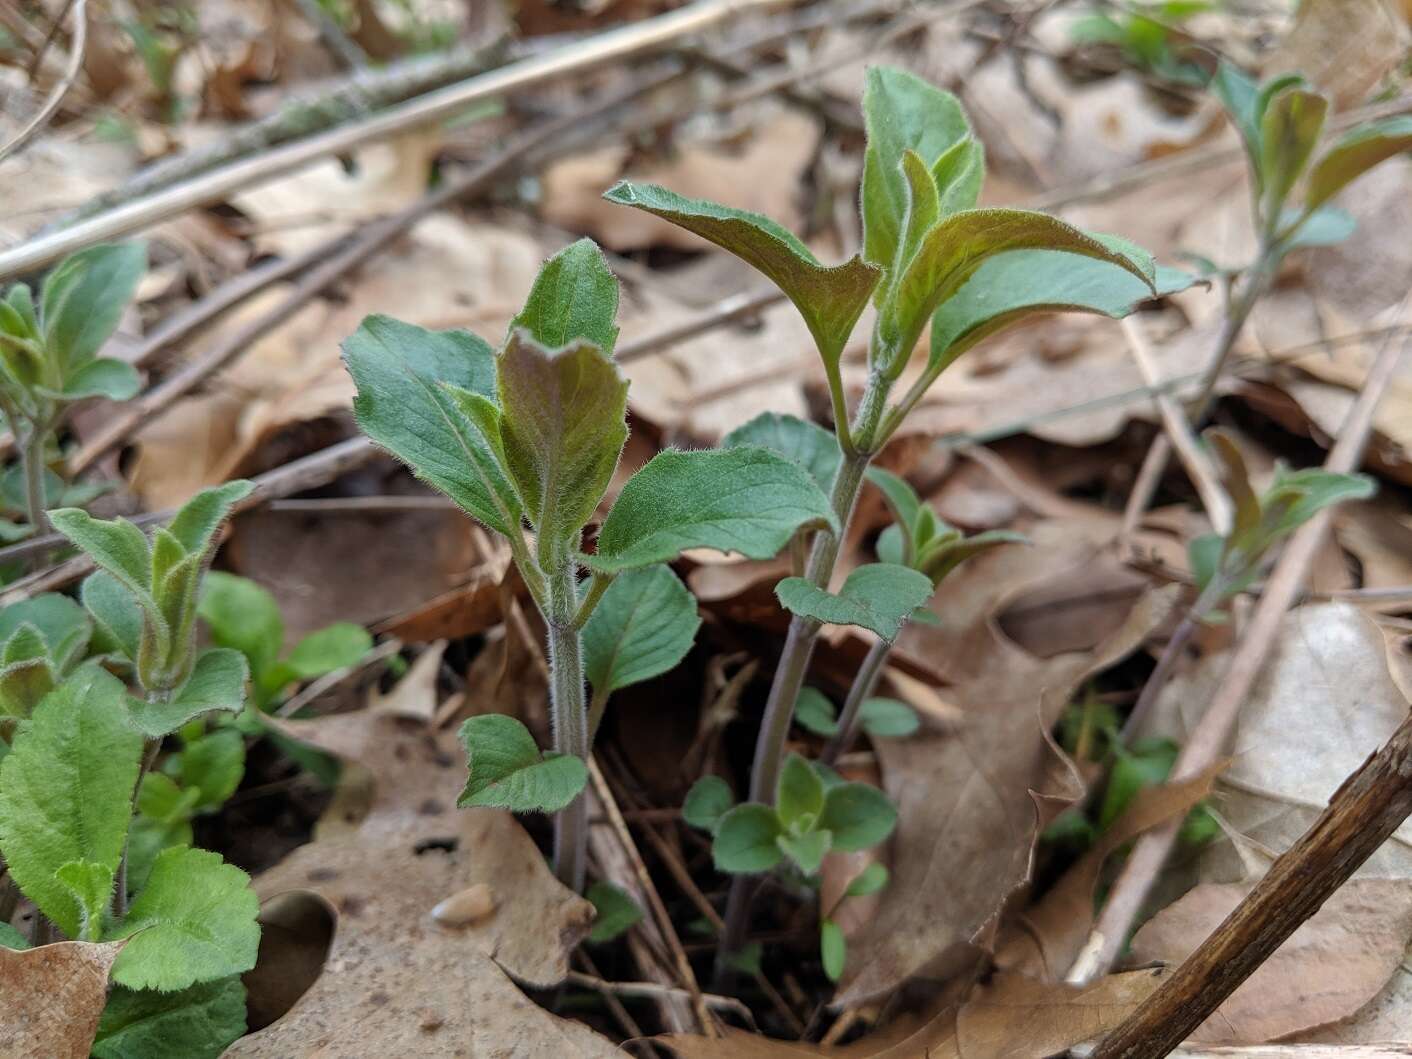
[391,848]
[1345,47]
[1329,968]
[468,610]
[1387,1017]
[971,801]
[51,998]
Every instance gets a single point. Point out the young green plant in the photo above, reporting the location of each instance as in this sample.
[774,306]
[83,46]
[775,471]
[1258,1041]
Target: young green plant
[526,439]
[49,359]
[930,259]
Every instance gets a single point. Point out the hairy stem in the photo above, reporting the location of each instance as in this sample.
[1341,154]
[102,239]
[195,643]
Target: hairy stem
[149,758]
[569,713]
[864,684]
[32,457]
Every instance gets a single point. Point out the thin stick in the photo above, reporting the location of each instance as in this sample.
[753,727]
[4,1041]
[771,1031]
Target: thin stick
[654,990]
[625,1021]
[1213,731]
[41,118]
[598,50]
[1179,433]
[728,310]
[1363,813]
[341,46]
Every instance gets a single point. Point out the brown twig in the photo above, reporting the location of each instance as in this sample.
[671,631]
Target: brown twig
[1211,733]
[36,124]
[1369,806]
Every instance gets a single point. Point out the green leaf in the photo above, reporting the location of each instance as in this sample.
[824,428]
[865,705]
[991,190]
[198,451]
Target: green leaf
[806,443]
[902,113]
[195,525]
[814,711]
[744,499]
[1012,286]
[91,886]
[830,299]
[833,949]
[84,298]
[1238,94]
[945,554]
[20,300]
[1204,555]
[244,616]
[63,624]
[574,297]
[107,377]
[1354,154]
[336,646]
[160,799]
[709,799]
[878,596]
[1289,131]
[213,766]
[1147,765]
[957,247]
[403,405]
[800,792]
[10,938]
[642,627]
[1314,490]
[905,504]
[888,718]
[115,612]
[25,683]
[66,788]
[563,426]
[745,840]
[891,545]
[147,838]
[117,546]
[807,851]
[1326,226]
[507,770]
[199,1022]
[194,921]
[868,881]
[217,682]
[859,815]
[616,912]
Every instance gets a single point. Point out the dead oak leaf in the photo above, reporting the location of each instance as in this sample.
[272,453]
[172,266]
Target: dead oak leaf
[52,997]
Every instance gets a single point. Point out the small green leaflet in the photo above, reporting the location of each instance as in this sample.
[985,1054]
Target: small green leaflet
[709,799]
[642,627]
[799,797]
[744,499]
[869,881]
[244,616]
[859,815]
[1289,132]
[335,646]
[403,405]
[193,921]
[1355,154]
[107,377]
[833,950]
[745,839]
[814,711]
[66,789]
[199,1022]
[878,596]
[84,297]
[91,886]
[574,297]
[217,683]
[562,426]
[508,771]
[881,718]
[63,623]
[616,912]
[806,850]
[830,299]
[806,443]
[116,614]
[211,767]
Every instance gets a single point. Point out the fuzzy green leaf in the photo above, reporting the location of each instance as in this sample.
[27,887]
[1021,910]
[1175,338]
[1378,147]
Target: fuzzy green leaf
[1314,489]
[563,426]
[800,792]
[833,949]
[807,851]
[944,554]
[25,683]
[107,377]
[859,815]
[116,617]
[905,504]
[830,299]
[194,921]
[217,682]
[199,1022]
[888,718]
[616,912]
[643,626]
[903,113]
[1012,286]
[244,616]
[574,297]
[91,887]
[814,711]
[508,771]
[62,623]
[10,938]
[878,596]
[213,766]
[117,546]
[709,799]
[1238,95]
[159,798]
[744,499]
[1289,132]
[1326,226]
[66,789]
[868,881]
[1204,555]
[806,443]
[403,405]
[84,298]
[195,525]
[1355,154]
[745,840]
[333,647]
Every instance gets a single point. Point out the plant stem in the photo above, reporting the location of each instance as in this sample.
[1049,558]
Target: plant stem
[569,714]
[32,458]
[149,758]
[1167,661]
[864,684]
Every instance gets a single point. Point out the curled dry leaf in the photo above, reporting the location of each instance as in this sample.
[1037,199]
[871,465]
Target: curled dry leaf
[392,848]
[51,998]
[972,801]
[1328,969]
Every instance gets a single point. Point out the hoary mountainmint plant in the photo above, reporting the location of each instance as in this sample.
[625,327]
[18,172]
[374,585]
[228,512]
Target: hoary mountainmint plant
[75,762]
[49,359]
